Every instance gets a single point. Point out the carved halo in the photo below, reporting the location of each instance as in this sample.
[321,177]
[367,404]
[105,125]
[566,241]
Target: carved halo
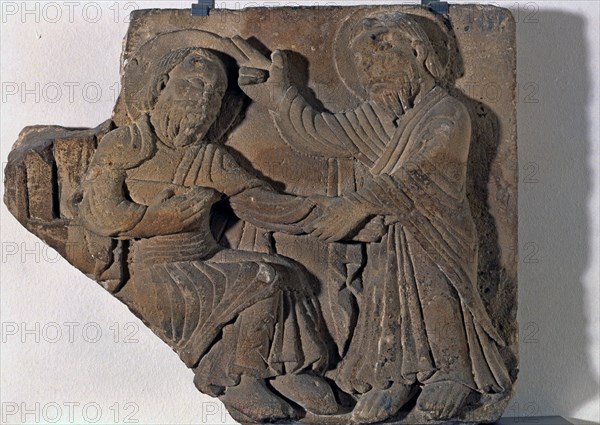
[132,102]
[435,26]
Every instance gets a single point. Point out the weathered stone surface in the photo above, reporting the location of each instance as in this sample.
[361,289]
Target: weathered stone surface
[316,208]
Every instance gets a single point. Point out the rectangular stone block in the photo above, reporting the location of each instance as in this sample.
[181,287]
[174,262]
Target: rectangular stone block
[315,207]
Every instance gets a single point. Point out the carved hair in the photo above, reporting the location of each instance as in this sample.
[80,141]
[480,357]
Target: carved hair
[169,62]
[413,31]
[231,103]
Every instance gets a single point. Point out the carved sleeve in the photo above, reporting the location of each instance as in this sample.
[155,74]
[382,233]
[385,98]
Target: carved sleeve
[104,208]
[252,199]
[432,175]
[271,210]
[310,132]
[219,170]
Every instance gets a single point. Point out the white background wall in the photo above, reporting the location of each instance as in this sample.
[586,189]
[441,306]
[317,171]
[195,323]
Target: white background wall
[71,351]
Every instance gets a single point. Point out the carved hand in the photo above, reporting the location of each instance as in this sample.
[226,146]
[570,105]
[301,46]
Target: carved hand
[267,91]
[337,220]
[373,231]
[171,214]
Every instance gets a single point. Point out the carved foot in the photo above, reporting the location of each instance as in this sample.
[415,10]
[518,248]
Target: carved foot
[379,405]
[443,400]
[251,401]
[313,393]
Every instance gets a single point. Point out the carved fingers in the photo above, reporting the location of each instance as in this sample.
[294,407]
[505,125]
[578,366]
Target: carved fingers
[252,76]
[341,229]
[279,66]
[255,58]
[255,85]
[163,196]
[337,220]
[266,89]
[196,203]
[173,214]
[193,205]
[373,231]
[323,202]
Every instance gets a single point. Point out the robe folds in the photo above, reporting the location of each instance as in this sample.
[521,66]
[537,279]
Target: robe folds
[225,312]
[417,181]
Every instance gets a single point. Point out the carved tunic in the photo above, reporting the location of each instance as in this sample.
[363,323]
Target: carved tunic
[418,183]
[206,286]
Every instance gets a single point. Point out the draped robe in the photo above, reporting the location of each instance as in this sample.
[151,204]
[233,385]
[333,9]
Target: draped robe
[429,254]
[225,312]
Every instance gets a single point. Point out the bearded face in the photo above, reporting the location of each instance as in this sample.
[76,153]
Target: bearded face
[189,101]
[182,122]
[388,69]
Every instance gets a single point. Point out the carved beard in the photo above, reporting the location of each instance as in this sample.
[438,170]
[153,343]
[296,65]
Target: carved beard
[184,122]
[397,95]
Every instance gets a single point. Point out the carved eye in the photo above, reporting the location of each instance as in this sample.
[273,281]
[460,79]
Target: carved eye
[197,82]
[197,62]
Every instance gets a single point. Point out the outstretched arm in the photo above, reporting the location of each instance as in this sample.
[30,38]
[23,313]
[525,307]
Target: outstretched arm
[271,210]
[301,126]
[252,199]
[431,181]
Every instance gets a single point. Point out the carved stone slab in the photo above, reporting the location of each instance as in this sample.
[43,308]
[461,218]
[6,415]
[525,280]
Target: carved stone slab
[316,208]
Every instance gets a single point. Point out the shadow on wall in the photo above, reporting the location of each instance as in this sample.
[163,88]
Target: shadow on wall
[556,375]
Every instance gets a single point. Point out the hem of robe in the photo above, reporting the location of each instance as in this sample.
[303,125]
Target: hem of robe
[368,364]
[213,294]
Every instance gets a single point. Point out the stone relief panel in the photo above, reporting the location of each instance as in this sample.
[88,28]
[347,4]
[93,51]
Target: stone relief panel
[315,208]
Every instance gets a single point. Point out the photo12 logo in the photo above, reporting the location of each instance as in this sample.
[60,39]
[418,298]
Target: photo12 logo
[55,92]
[52,12]
[71,332]
[69,412]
